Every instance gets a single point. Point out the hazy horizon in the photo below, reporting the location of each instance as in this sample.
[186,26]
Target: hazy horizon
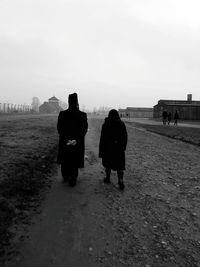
[112,53]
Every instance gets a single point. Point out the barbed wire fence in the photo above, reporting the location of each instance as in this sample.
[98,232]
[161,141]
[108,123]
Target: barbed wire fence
[15,108]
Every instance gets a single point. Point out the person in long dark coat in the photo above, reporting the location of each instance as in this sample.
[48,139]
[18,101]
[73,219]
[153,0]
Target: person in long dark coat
[164,116]
[72,127]
[112,146]
[176,117]
[169,117]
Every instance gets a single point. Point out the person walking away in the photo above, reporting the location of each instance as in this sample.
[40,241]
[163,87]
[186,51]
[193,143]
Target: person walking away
[72,127]
[176,118]
[112,146]
[164,116]
[169,117]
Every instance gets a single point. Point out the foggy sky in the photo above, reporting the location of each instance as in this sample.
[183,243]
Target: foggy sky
[112,53]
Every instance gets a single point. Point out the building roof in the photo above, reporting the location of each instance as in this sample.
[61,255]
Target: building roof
[139,109]
[47,107]
[177,103]
[54,98]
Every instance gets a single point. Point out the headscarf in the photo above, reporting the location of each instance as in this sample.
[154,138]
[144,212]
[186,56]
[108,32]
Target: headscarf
[113,115]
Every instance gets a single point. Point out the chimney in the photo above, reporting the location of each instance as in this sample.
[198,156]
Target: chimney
[189,97]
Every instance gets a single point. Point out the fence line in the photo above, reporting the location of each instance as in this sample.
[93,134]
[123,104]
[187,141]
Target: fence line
[14,108]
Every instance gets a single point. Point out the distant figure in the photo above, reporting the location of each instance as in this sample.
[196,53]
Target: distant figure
[176,118]
[112,146]
[164,117]
[72,127]
[128,115]
[169,118]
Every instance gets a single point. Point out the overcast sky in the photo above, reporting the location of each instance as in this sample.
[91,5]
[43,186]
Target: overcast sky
[111,52]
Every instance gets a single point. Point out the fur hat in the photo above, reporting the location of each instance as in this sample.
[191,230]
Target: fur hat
[73,100]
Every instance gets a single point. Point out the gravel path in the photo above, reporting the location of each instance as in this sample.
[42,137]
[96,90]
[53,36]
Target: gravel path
[153,223]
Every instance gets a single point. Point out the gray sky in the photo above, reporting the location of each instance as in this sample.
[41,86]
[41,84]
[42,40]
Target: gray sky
[111,52]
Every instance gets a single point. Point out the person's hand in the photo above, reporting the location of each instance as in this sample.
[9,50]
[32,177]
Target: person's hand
[73,142]
[69,143]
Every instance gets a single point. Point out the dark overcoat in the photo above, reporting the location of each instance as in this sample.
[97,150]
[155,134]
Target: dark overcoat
[113,142]
[72,125]
[176,116]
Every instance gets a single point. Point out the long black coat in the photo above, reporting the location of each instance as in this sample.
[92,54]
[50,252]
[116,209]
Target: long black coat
[112,144]
[72,124]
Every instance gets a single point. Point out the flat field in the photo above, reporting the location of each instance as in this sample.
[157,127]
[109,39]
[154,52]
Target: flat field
[28,146]
[153,222]
[187,134]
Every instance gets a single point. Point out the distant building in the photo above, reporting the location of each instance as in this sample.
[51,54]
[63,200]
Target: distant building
[52,106]
[122,112]
[133,112]
[187,109]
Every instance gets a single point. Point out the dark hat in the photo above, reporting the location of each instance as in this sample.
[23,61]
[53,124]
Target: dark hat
[73,99]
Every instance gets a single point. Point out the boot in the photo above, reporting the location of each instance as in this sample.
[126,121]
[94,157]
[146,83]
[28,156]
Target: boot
[65,173]
[72,181]
[73,176]
[107,179]
[120,175]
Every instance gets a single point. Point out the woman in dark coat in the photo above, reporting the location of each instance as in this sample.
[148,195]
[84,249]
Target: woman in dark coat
[112,146]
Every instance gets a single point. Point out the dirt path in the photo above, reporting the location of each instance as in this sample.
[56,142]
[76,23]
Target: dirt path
[72,228]
[154,222]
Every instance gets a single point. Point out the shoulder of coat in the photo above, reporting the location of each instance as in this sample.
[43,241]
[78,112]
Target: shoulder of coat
[61,112]
[83,113]
[122,123]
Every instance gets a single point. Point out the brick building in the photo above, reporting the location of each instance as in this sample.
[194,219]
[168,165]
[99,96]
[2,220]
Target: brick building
[187,109]
[122,112]
[132,112]
[52,106]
